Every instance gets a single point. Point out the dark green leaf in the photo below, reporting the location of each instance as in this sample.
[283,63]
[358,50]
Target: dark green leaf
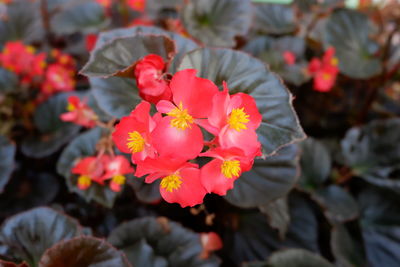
[23,22]
[80,17]
[244,73]
[27,235]
[268,180]
[83,251]
[339,205]
[83,146]
[347,250]
[349,32]
[297,258]
[278,215]
[26,191]
[116,96]
[147,193]
[183,45]
[373,152]
[7,154]
[53,133]
[271,51]
[252,239]
[217,22]
[274,18]
[380,222]
[159,242]
[8,81]
[315,164]
[119,56]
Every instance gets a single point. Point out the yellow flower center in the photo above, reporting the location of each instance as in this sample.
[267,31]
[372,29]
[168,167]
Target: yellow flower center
[70,107]
[84,181]
[171,182]
[135,142]
[238,119]
[230,168]
[334,61]
[119,179]
[182,119]
[30,49]
[326,76]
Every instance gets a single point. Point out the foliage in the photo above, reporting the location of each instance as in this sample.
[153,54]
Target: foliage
[278,124]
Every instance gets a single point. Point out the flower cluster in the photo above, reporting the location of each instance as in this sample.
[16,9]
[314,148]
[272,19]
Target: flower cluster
[164,145]
[54,72]
[102,168]
[22,60]
[79,113]
[324,71]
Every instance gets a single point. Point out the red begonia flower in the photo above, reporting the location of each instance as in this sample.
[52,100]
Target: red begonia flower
[90,41]
[58,79]
[210,242]
[17,57]
[219,175]
[132,133]
[149,78]
[138,5]
[289,57]
[177,134]
[116,168]
[324,71]
[90,169]
[234,120]
[325,79]
[180,180]
[173,142]
[79,112]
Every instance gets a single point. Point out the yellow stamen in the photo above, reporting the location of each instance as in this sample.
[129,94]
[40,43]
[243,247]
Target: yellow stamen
[135,142]
[182,119]
[30,49]
[230,168]
[171,182]
[70,107]
[334,61]
[119,179]
[326,76]
[84,181]
[238,119]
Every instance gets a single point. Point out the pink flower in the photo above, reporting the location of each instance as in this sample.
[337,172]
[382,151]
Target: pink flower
[289,57]
[234,120]
[219,174]
[133,133]
[324,71]
[149,78]
[116,169]
[180,180]
[58,78]
[210,242]
[177,134]
[90,169]
[79,112]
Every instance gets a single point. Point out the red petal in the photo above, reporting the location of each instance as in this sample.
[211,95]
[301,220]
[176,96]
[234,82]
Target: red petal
[250,108]
[246,140]
[191,191]
[195,93]
[213,180]
[177,143]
